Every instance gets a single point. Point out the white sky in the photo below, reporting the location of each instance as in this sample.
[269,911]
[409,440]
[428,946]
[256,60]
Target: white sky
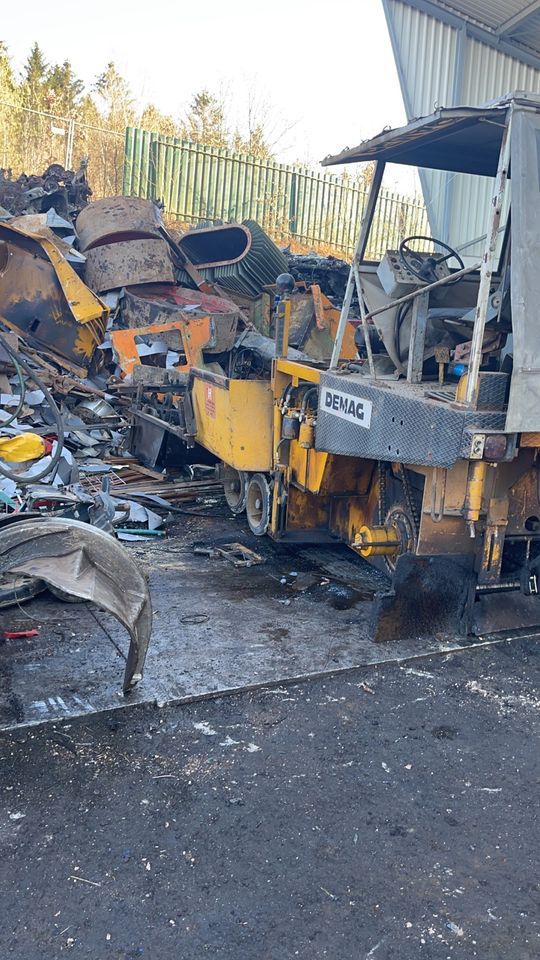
[323,67]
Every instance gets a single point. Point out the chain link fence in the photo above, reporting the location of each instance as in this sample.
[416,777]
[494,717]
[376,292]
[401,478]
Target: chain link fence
[200,184]
[30,140]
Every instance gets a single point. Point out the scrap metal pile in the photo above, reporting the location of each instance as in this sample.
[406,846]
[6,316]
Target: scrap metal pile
[110,312]
[65,191]
[104,314]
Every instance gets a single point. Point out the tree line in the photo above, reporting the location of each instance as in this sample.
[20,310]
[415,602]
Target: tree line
[40,105]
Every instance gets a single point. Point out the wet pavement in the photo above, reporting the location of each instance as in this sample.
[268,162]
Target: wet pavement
[385,806]
[216,628]
[389,813]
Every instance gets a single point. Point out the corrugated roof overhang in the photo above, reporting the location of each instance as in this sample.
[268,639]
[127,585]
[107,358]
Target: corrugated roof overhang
[460,139]
[511,26]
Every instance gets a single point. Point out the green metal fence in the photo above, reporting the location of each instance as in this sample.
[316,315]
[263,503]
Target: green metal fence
[199,184]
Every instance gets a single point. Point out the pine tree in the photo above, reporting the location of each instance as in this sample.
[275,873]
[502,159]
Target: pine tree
[205,122]
[34,79]
[39,146]
[64,90]
[10,118]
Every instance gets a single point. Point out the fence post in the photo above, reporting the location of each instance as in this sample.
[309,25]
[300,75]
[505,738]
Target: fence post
[200,183]
[293,212]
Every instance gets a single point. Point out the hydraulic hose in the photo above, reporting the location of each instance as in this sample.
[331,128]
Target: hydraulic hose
[32,375]
[22,387]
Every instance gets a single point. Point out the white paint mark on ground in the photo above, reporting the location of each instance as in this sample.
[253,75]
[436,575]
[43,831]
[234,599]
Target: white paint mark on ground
[70,706]
[418,673]
[374,949]
[205,729]
[504,700]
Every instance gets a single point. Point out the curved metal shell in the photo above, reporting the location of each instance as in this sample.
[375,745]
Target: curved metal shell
[87,563]
[117,218]
[128,262]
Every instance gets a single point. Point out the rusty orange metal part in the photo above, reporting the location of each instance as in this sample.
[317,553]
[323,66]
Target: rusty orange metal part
[194,334]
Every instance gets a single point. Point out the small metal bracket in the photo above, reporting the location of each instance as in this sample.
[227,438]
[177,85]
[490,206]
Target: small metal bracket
[418,338]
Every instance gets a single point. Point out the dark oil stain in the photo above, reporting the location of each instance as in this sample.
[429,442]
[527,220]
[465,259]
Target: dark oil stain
[445,733]
[278,633]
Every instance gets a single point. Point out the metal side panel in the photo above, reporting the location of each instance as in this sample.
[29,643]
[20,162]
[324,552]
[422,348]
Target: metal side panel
[524,402]
[358,418]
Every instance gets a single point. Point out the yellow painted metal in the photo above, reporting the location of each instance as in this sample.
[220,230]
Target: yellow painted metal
[461,389]
[306,437]
[475,488]
[43,299]
[234,421]
[193,334]
[307,467]
[298,371]
[283,324]
[376,541]
[84,303]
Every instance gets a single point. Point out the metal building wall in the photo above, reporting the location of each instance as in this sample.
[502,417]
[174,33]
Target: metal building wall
[441,65]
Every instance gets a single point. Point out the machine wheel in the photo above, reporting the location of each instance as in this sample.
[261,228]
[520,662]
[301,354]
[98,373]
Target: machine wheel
[235,486]
[258,504]
[400,518]
[18,588]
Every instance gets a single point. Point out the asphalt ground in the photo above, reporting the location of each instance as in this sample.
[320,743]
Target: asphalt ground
[390,812]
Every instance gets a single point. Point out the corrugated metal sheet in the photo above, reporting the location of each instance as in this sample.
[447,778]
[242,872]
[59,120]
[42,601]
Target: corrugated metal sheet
[501,23]
[441,65]
[490,13]
[200,184]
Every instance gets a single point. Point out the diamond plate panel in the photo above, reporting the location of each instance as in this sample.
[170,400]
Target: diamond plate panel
[404,425]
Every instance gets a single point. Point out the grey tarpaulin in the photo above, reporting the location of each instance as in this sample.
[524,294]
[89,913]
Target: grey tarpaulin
[524,402]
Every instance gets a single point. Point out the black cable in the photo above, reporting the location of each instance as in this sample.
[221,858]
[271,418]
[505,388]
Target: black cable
[401,314]
[32,375]
[22,387]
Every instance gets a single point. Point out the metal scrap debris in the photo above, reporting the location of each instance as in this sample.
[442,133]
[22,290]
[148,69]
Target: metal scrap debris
[109,314]
[67,191]
[236,553]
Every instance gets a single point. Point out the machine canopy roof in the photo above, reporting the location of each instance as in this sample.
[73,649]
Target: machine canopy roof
[458,139]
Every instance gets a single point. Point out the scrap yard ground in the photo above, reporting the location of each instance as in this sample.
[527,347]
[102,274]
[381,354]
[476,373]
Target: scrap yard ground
[387,811]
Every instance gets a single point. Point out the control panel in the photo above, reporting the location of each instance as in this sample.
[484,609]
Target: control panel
[396,280]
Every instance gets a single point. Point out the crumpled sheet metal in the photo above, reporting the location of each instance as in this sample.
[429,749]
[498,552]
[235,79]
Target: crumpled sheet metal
[117,218]
[87,563]
[43,299]
[141,310]
[158,303]
[128,262]
[65,190]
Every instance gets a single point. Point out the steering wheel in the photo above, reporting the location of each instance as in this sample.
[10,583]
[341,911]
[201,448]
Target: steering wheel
[425,268]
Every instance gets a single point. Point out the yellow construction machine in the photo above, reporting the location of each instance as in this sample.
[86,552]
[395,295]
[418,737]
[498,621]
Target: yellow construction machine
[420,452]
